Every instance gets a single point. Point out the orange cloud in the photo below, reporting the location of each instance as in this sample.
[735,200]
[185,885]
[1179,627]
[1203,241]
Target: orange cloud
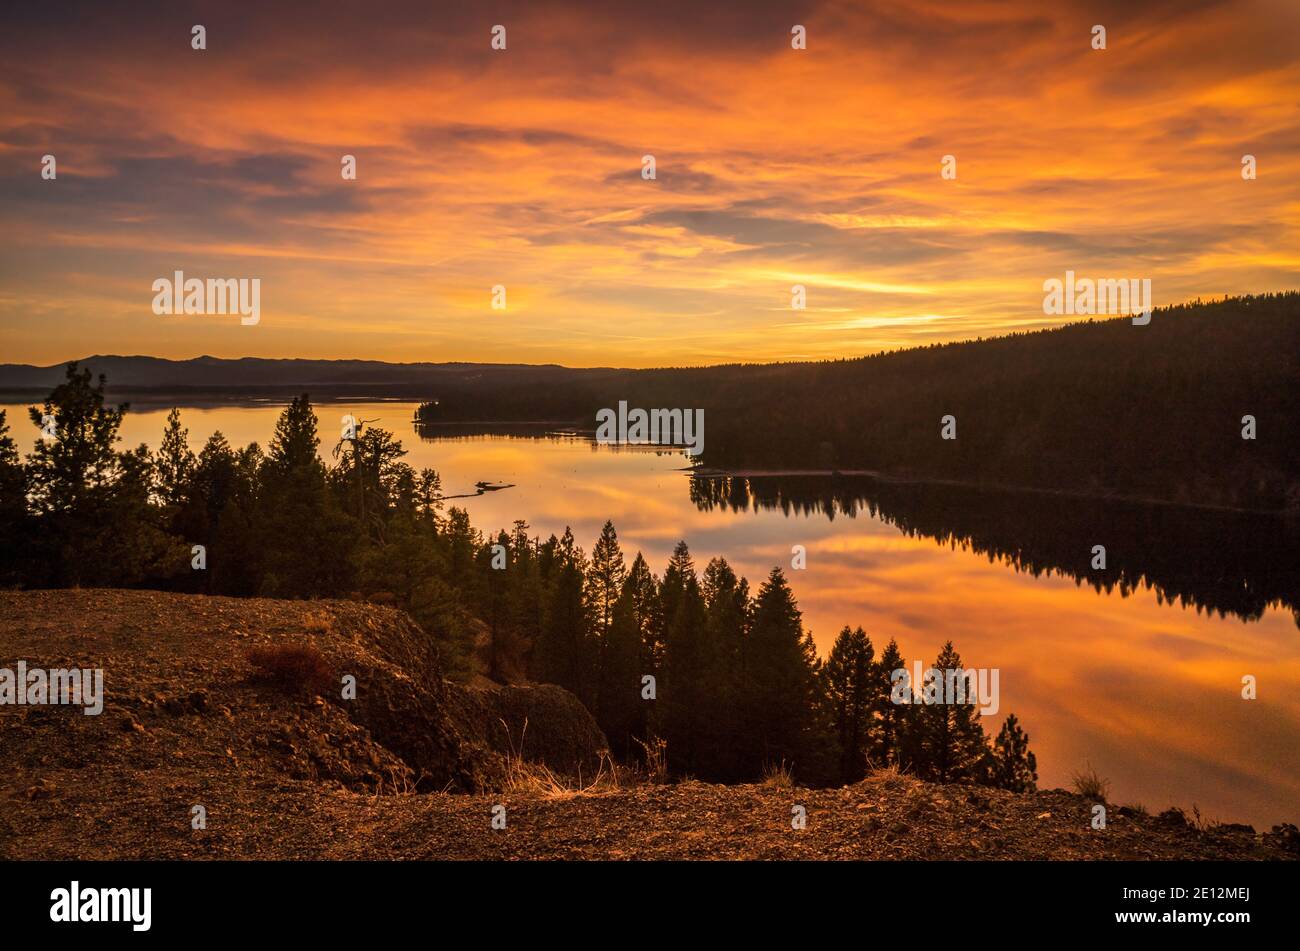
[523,168]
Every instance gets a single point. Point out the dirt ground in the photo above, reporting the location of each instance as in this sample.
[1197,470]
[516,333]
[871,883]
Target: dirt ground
[279,775]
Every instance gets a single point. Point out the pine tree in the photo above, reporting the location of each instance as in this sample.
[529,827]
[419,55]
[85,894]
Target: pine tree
[727,603]
[605,577]
[687,673]
[306,541]
[1015,767]
[134,545]
[428,494]
[953,741]
[293,447]
[641,589]
[175,462]
[620,709]
[70,476]
[14,522]
[887,750]
[849,680]
[780,660]
[563,651]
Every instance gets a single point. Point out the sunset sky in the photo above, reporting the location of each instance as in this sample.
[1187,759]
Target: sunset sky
[523,168]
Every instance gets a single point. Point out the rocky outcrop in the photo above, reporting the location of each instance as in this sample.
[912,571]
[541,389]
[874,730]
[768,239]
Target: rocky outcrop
[186,681]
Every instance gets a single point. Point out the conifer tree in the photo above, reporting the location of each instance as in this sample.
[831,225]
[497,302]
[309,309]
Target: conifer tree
[1015,767]
[563,651]
[306,540]
[779,668]
[70,475]
[687,672]
[175,462]
[604,580]
[954,746]
[727,604]
[890,716]
[849,679]
[621,710]
[14,522]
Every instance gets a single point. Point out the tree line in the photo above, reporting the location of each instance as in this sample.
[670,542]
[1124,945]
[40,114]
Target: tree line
[1101,407]
[726,680]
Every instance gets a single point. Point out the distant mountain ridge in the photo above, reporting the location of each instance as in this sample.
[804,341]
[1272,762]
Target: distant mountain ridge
[142,373]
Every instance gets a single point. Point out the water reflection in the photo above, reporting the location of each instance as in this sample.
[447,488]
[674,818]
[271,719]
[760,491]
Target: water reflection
[1225,562]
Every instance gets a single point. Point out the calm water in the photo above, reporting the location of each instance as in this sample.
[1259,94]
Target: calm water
[1136,672]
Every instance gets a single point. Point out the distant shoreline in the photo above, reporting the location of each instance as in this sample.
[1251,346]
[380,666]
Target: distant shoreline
[715,472]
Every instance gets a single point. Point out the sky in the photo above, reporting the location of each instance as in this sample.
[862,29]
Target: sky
[522,168]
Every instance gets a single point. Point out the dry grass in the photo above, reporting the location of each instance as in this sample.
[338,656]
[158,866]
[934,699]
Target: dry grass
[292,666]
[777,776]
[1090,784]
[537,780]
[890,776]
[656,759]
[1199,822]
[318,622]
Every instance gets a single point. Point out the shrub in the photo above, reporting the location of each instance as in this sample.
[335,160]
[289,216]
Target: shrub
[1090,785]
[292,666]
[778,775]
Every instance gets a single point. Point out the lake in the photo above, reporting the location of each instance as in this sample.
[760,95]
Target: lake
[1135,671]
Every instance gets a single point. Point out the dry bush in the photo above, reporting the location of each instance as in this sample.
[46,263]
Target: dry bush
[1201,823]
[778,776]
[656,759]
[318,622]
[525,778]
[1090,785]
[292,666]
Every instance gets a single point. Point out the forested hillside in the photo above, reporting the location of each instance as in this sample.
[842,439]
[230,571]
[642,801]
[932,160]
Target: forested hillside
[1103,407]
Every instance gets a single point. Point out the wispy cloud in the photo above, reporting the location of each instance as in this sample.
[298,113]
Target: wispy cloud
[523,168]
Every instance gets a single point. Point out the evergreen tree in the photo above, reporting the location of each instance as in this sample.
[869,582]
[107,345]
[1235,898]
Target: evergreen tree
[889,715]
[621,710]
[368,477]
[306,540]
[70,477]
[849,680]
[727,604]
[604,580]
[428,495]
[1015,767]
[293,446]
[524,598]
[175,462]
[780,661]
[225,500]
[563,651]
[688,673]
[135,546]
[952,741]
[15,526]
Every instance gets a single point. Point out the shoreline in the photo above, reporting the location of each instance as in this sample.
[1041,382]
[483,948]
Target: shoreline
[714,472]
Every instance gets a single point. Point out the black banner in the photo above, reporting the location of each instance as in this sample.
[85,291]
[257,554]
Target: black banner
[985,901]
